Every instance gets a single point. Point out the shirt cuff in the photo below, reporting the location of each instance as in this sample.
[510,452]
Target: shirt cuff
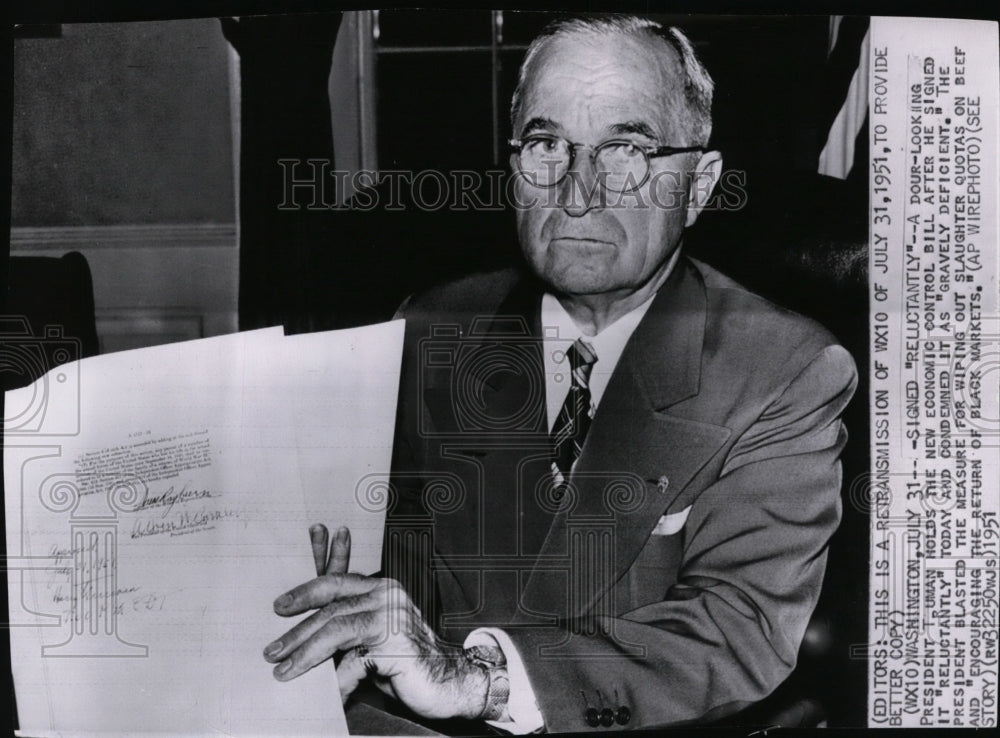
[525,716]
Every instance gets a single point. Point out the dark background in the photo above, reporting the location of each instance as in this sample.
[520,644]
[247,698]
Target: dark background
[800,239]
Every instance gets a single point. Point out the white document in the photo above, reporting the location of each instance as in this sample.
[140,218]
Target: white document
[146,550]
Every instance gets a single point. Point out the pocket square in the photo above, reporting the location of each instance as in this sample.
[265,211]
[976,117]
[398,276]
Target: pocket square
[671,523]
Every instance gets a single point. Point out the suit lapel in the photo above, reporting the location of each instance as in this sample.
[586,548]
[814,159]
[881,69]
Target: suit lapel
[498,385]
[490,429]
[518,390]
[637,457]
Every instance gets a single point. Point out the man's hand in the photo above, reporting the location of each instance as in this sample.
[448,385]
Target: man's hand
[381,634]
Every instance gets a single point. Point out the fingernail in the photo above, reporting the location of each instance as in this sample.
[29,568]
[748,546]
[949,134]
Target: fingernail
[283,667]
[342,534]
[272,648]
[284,601]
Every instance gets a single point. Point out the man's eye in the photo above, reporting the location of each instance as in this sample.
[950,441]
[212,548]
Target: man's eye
[623,150]
[546,144]
[543,145]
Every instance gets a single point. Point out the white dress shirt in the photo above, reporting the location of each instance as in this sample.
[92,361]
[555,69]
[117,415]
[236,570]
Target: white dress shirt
[558,334]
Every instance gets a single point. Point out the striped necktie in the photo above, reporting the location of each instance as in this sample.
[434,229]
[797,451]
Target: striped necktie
[573,421]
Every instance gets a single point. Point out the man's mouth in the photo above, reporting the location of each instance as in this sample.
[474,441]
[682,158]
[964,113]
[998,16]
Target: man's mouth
[581,242]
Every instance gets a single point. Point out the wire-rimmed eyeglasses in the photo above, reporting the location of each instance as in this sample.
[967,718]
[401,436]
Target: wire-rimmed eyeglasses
[620,165]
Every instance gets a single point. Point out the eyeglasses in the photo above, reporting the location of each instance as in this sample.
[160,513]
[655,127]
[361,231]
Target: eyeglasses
[621,166]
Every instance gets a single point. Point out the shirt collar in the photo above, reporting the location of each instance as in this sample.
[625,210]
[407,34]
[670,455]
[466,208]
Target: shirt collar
[559,331]
[609,344]
[558,325]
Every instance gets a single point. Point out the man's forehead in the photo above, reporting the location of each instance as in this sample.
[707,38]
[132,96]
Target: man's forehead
[628,82]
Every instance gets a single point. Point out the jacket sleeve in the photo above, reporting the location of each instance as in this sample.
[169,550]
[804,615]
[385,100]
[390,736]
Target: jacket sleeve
[728,632]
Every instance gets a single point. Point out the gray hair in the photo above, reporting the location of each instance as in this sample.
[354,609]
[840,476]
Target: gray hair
[698,85]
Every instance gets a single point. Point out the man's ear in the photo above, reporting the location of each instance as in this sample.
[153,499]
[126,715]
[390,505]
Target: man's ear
[704,177]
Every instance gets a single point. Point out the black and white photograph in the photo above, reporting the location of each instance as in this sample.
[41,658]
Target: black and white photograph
[459,371]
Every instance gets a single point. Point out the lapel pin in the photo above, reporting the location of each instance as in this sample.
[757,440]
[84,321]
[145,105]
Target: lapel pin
[663,484]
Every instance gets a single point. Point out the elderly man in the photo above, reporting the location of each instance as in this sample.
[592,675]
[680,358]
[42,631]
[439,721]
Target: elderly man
[616,471]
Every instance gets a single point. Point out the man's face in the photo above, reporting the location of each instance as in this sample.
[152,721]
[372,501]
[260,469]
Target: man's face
[588,90]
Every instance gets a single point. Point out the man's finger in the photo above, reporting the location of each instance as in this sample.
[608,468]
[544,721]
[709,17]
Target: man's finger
[319,537]
[340,552]
[318,592]
[350,672]
[281,647]
[338,634]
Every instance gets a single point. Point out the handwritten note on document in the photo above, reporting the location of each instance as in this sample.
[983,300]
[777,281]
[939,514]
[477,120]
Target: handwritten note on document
[153,518]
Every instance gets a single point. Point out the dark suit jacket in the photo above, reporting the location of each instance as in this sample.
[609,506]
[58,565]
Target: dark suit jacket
[722,405]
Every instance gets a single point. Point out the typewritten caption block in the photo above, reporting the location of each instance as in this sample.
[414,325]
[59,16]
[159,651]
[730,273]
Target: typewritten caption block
[935,368]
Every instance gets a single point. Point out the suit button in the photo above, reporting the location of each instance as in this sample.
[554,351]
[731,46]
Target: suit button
[607,717]
[623,715]
[591,716]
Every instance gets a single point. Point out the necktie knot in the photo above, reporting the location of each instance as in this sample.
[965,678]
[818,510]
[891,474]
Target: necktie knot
[581,360]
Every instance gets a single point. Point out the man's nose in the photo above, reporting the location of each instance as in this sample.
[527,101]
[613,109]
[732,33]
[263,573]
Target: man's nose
[580,190]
